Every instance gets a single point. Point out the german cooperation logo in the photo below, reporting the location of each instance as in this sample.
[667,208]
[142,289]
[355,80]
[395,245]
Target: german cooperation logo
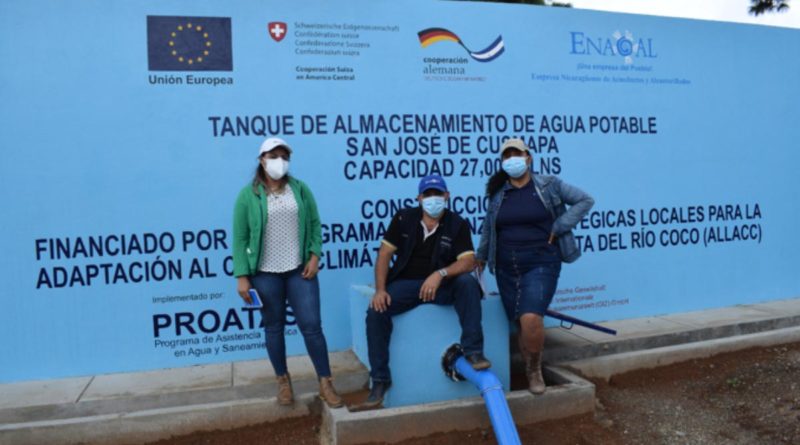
[620,44]
[455,66]
[180,43]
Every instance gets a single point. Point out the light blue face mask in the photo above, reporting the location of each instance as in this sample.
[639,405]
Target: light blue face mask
[515,166]
[433,205]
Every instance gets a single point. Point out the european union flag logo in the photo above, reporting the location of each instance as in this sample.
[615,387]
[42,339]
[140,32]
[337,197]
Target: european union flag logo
[189,43]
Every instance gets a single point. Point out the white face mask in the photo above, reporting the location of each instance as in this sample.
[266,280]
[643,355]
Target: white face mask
[276,168]
[433,205]
[515,166]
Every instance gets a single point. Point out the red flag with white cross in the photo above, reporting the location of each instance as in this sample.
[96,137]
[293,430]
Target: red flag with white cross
[277,30]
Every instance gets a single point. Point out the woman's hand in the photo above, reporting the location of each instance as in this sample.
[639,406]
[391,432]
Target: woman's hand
[312,267]
[479,265]
[242,286]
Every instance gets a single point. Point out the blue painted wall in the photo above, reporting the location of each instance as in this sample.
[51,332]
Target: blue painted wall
[682,130]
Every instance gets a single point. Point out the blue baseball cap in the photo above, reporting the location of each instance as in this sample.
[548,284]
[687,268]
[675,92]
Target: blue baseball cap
[432,182]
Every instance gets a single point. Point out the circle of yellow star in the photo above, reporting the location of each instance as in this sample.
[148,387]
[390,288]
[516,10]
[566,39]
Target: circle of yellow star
[190,59]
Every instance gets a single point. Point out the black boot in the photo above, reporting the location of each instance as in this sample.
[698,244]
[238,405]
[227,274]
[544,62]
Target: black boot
[376,395]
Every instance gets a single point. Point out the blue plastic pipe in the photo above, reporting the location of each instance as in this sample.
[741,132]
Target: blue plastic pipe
[492,391]
[579,322]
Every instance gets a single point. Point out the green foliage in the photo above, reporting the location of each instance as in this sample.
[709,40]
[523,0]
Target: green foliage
[759,7]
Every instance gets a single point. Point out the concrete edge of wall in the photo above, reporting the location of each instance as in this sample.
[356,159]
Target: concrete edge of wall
[571,395]
[605,367]
[155,424]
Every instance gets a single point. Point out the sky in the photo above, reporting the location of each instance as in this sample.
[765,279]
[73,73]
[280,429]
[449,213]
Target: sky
[721,10]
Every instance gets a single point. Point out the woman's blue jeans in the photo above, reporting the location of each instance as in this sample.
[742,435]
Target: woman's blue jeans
[303,295]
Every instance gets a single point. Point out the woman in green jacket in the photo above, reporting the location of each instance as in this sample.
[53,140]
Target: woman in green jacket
[277,243]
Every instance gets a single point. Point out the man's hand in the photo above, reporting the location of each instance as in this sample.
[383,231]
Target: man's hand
[428,290]
[312,267]
[380,301]
[242,286]
[552,238]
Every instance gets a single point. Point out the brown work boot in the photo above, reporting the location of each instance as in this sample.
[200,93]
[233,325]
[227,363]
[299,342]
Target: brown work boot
[285,396]
[533,370]
[328,393]
[478,361]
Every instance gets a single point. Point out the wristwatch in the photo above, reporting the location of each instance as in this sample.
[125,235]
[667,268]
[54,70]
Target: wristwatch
[443,272]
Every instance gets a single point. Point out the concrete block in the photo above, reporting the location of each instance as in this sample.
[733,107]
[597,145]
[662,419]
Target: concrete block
[256,378]
[558,337]
[259,372]
[349,375]
[719,317]
[607,366]
[783,308]
[42,392]
[572,396]
[162,381]
[360,296]
[151,425]
[790,306]
[419,339]
[627,329]
[560,345]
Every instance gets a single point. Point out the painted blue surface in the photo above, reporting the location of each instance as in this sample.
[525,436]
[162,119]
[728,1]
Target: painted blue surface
[359,301]
[420,338]
[491,389]
[95,145]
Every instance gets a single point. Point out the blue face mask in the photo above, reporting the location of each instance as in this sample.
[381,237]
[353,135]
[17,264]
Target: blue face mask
[433,205]
[515,166]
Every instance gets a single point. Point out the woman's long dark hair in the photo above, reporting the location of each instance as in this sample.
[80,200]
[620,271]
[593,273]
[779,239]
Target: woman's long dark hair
[496,182]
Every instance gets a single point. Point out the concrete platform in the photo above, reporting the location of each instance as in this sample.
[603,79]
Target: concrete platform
[639,334]
[609,365]
[567,395]
[131,408]
[152,424]
[419,339]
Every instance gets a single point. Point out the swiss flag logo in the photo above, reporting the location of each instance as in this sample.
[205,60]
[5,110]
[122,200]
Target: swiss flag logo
[277,30]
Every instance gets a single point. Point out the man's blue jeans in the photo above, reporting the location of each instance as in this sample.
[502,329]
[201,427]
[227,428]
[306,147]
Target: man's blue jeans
[303,296]
[462,291]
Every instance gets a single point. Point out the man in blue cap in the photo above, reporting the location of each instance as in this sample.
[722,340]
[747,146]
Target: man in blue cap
[433,258]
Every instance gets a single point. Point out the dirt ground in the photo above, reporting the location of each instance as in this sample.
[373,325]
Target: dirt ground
[747,397]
